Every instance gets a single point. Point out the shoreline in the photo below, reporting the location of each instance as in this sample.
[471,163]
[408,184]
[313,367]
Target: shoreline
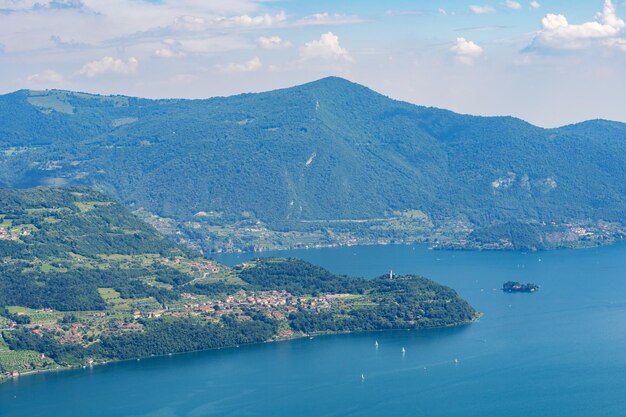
[449,246]
[4,379]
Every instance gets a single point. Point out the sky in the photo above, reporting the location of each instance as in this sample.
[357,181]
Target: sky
[550,62]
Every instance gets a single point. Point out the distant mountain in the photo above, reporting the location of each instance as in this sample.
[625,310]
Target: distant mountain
[330,161]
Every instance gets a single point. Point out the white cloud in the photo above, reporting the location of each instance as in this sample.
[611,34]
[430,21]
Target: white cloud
[190,23]
[442,11]
[327,19]
[109,65]
[166,53]
[46,77]
[535,5]
[138,24]
[482,9]
[15,5]
[250,66]
[117,23]
[273,42]
[608,16]
[395,13]
[513,5]
[213,6]
[619,44]
[171,49]
[484,28]
[557,33]
[255,21]
[465,52]
[199,24]
[326,48]
[25,5]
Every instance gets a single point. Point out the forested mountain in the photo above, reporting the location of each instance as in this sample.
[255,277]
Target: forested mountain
[323,162]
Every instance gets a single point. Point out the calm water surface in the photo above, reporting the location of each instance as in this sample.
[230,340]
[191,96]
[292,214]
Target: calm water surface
[559,352]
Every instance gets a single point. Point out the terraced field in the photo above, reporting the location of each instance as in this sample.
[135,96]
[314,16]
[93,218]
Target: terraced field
[22,360]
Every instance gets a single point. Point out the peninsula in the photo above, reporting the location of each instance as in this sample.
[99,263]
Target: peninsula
[83,282]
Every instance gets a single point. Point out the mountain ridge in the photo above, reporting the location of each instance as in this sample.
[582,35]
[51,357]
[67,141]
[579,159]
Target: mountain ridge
[330,150]
[318,82]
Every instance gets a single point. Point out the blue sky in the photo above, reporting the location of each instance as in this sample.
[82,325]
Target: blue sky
[550,62]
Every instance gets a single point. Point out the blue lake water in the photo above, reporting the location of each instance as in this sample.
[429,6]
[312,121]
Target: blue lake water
[558,352]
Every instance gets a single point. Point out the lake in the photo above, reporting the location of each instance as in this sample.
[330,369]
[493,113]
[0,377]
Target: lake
[558,352]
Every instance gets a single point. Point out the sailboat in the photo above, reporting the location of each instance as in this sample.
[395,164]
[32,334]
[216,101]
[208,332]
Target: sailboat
[376,344]
[403,351]
[362,377]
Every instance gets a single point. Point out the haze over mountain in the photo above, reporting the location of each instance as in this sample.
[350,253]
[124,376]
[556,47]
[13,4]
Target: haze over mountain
[328,150]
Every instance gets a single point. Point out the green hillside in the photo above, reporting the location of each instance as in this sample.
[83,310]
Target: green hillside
[59,247]
[84,281]
[323,163]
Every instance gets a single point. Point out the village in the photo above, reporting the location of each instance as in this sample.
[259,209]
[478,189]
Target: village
[13,234]
[243,305]
[275,304]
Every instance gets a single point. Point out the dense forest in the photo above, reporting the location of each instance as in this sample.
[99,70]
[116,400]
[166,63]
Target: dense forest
[298,277]
[298,158]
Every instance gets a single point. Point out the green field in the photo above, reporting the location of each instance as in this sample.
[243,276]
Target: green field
[85,206]
[24,361]
[37,317]
[5,222]
[119,304]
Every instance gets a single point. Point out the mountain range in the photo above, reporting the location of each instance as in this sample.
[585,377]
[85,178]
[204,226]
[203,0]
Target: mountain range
[323,163]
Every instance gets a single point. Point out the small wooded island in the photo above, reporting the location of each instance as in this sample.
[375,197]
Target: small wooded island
[82,282]
[512,286]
